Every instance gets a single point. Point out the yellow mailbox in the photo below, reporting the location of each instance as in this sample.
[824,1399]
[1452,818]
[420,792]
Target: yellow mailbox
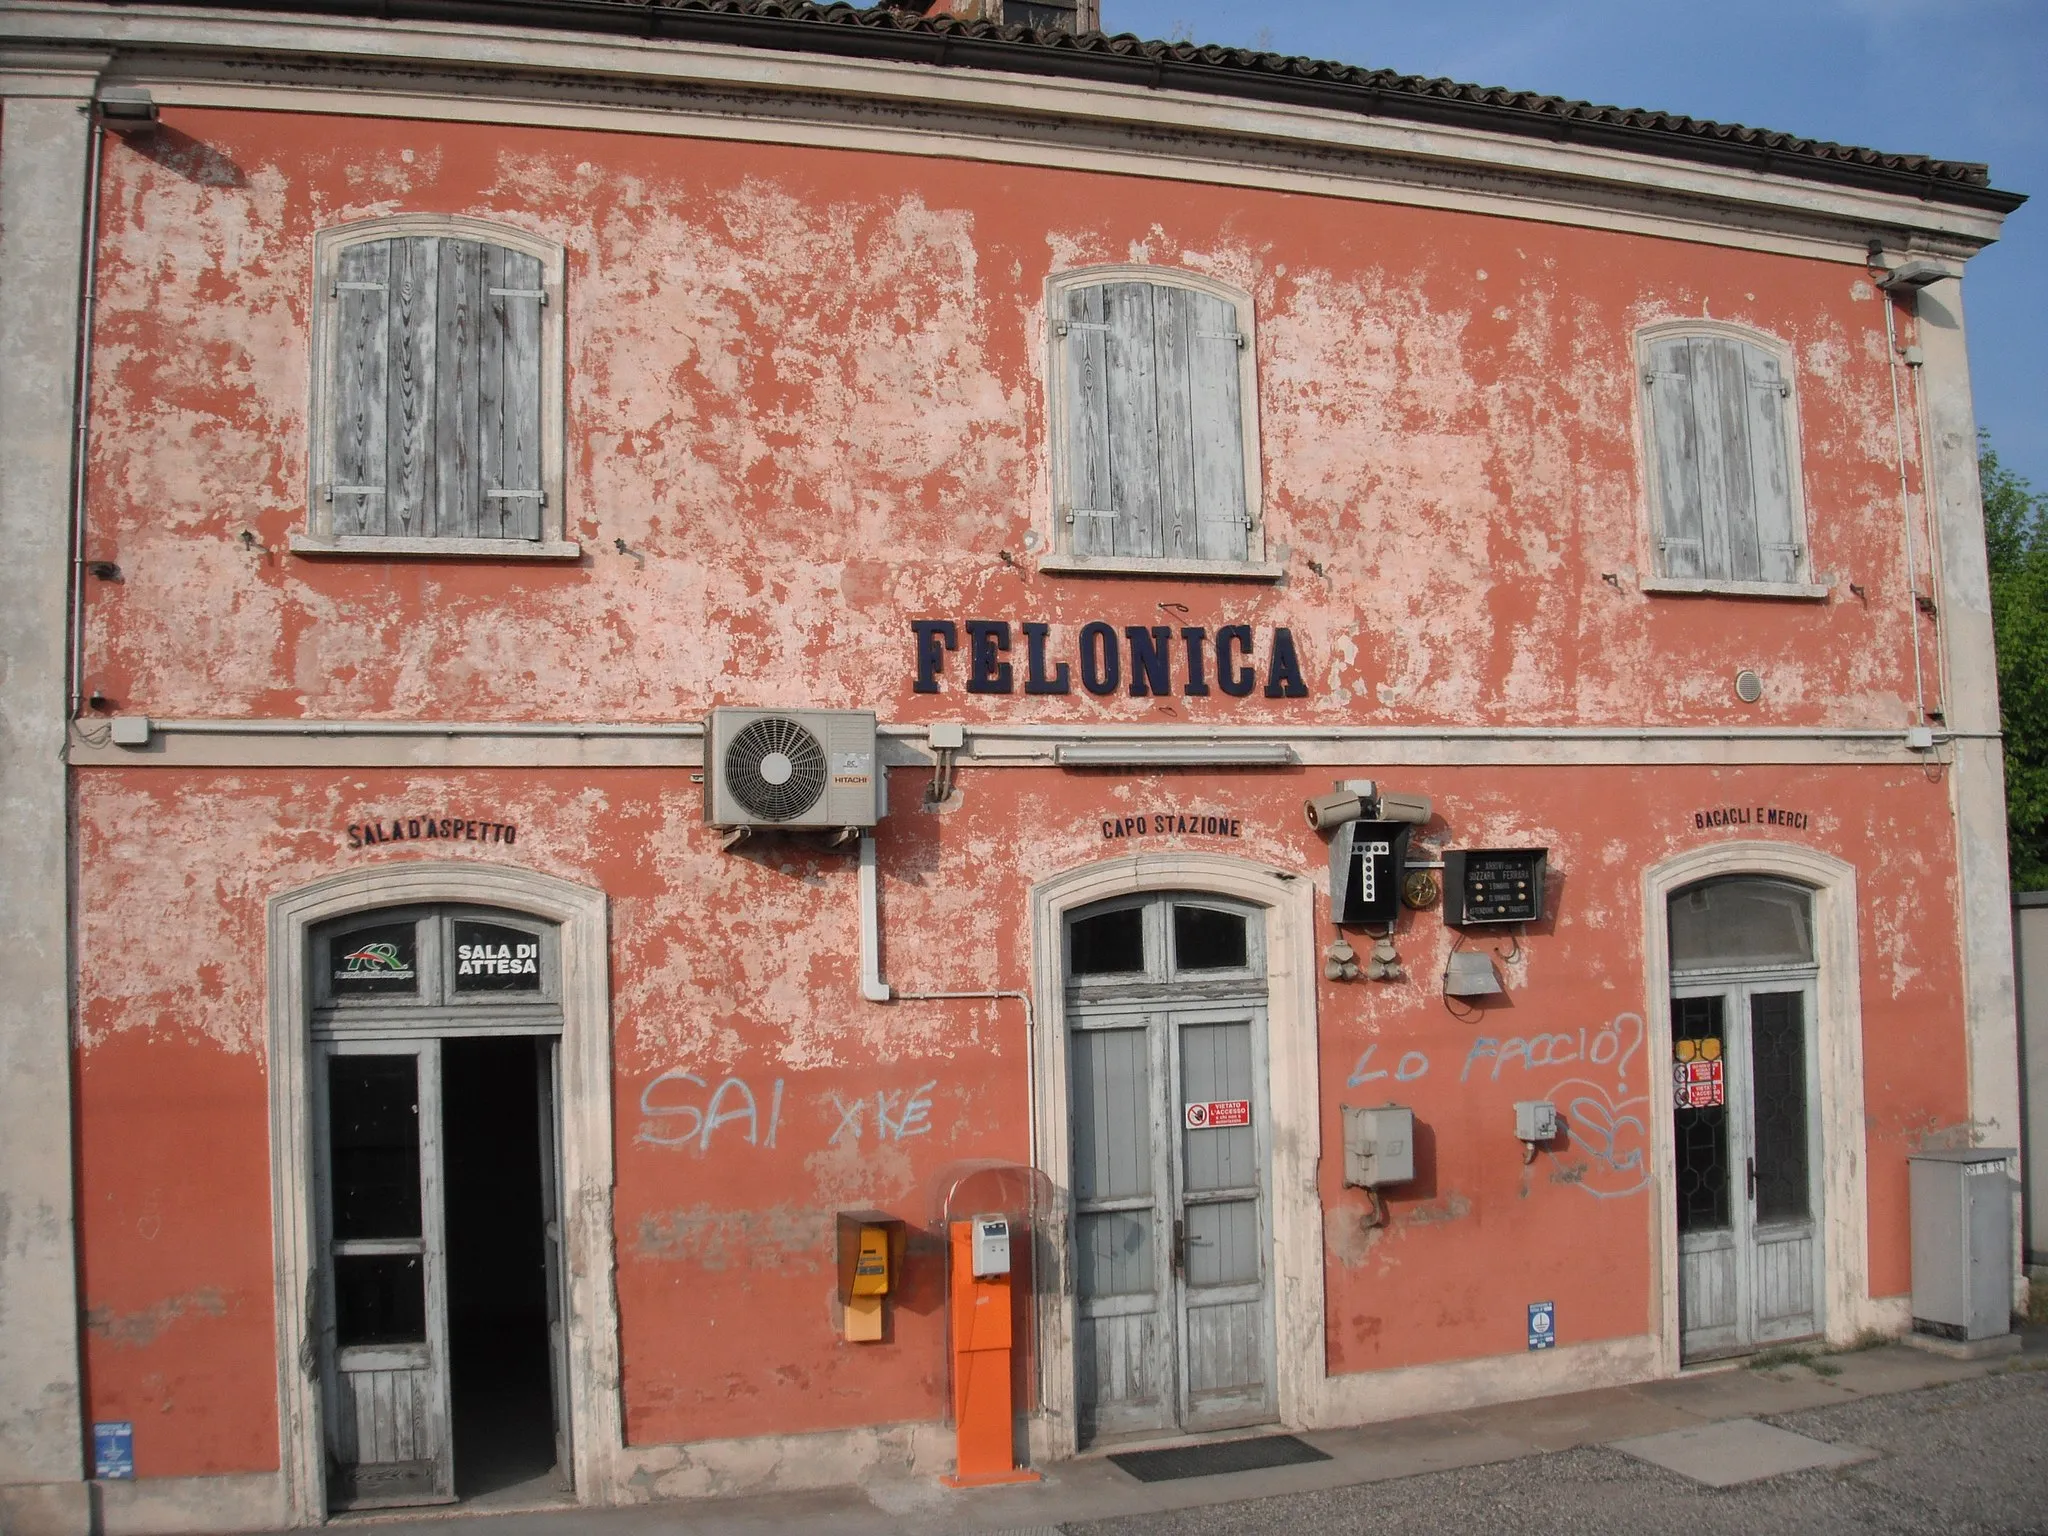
[870,1257]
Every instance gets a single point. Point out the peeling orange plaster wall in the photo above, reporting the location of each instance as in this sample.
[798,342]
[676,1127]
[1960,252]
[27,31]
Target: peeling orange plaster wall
[742,967]
[807,389]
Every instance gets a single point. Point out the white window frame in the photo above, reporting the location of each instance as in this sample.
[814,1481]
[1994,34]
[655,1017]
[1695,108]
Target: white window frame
[1059,542]
[318,537]
[1656,581]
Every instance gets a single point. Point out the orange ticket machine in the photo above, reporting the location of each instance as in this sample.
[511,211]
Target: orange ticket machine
[979,1248]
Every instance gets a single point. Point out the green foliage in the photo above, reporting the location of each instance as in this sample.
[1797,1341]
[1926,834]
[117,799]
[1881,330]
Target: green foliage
[2016,542]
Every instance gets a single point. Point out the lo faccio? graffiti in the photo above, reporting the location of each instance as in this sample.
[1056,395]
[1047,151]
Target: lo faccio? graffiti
[1604,1122]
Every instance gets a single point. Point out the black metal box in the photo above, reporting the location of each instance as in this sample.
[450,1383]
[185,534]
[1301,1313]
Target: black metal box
[1493,885]
[1366,863]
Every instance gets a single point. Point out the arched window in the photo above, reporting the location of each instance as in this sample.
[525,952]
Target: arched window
[1741,923]
[437,427]
[1723,464]
[1156,430]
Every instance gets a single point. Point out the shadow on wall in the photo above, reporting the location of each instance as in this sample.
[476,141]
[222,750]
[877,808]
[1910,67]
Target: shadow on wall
[178,152]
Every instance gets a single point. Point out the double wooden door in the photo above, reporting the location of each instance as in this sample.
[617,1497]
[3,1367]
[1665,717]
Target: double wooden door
[1171,1233]
[383,1282]
[1746,1145]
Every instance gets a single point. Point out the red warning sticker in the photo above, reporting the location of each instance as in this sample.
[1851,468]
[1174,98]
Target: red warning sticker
[1219,1114]
[1699,1084]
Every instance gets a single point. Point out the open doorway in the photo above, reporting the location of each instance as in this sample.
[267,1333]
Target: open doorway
[501,1398]
[435,1081]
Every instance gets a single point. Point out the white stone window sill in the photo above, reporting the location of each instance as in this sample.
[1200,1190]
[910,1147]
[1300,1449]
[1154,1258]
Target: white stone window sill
[437,549]
[1133,565]
[1798,591]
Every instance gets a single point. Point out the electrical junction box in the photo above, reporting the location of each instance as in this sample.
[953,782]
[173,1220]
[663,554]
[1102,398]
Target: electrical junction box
[1536,1120]
[991,1246]
[1962,1242]
[1379,1145]
[1493,885]
[1365,871]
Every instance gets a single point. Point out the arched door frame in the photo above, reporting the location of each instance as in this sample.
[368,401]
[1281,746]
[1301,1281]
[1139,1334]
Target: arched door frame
[594,1405]
[1287,899]
[1838,1073]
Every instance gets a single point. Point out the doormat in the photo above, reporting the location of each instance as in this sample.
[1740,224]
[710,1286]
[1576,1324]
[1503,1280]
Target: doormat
[1212,1460]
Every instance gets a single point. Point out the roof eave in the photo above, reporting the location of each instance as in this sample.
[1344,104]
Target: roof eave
[946,44]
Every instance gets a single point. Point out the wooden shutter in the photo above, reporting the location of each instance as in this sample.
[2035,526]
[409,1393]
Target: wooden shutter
[362,330]
[1216,411]
[1779,549]
[437,390]
[512,495]
[1090,507]
[409,399]
[1133,416]
[1723,470]
[1155,423]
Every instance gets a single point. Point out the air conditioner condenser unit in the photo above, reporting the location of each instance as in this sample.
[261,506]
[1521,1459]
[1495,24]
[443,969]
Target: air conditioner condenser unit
[795,769]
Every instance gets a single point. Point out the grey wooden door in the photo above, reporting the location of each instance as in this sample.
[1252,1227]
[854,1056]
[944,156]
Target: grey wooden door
[1224,1291]
[383,1277]
[1171,1138]
[1747,1163]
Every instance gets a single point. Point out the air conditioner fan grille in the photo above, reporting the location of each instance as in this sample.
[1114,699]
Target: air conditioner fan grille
[775,768]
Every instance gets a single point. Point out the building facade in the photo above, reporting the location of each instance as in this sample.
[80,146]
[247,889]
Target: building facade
[411,1068]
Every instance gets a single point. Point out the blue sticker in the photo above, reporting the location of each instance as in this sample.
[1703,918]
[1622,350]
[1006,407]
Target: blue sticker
[1542,1324]
[113,1449]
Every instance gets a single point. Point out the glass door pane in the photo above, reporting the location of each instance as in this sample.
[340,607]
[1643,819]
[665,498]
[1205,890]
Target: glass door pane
[1777,1031]
[373,1127]
[1700,1126]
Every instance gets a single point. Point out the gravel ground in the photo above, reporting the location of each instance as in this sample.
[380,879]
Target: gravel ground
[1969,1458]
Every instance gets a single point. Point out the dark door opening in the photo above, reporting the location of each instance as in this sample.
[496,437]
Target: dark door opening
[493,1108]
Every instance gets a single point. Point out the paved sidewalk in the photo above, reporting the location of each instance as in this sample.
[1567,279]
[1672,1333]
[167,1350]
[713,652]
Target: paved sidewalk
[1092,1490]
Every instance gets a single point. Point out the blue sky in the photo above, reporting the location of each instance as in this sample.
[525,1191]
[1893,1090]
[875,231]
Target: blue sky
[1960,79]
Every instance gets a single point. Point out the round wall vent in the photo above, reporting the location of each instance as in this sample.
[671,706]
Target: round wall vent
[1749,687]
[775,768]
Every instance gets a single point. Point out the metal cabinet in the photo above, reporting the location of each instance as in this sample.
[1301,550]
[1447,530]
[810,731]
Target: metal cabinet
[1962,1242]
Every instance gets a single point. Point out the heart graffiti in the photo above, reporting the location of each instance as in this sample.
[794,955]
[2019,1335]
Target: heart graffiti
[1611,1136]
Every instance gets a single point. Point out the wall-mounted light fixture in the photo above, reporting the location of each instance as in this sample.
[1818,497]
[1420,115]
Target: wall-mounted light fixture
[126,108]
[1469,973]
[1914,272]
[1175,754]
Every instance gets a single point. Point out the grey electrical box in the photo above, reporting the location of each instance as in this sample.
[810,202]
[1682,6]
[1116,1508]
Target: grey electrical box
[990,1245]
[1379,1145]
[1962,1242]
[1536,1120]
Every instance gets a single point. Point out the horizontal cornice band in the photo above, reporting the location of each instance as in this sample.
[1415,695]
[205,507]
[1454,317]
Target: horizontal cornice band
[460,744]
